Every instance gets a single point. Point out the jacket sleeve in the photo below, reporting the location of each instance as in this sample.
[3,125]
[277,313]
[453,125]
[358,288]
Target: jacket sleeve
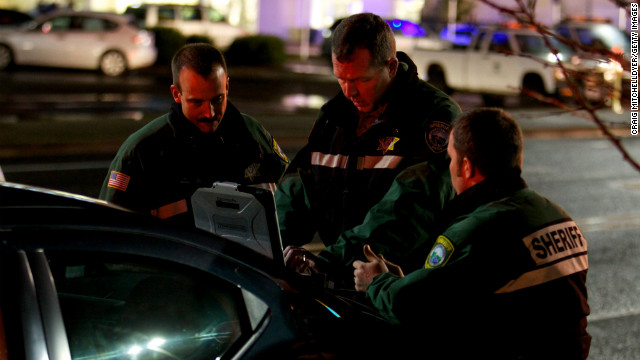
[274,159]
[421,294]
[127,184]
[294,215]
[402,226]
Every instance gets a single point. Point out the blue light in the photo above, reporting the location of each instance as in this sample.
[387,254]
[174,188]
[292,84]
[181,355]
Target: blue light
[328,308]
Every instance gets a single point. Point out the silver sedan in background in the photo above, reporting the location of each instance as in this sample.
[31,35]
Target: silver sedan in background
[111,43]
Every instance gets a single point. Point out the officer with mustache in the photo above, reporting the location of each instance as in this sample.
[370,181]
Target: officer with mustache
[202,139]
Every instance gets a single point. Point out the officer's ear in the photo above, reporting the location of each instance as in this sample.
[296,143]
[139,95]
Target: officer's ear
[175,92]
[468,169]
[393,66]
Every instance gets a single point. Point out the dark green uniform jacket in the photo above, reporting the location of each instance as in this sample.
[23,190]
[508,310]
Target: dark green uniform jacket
[505,280]
[401,226]
[338,176]
[159,167]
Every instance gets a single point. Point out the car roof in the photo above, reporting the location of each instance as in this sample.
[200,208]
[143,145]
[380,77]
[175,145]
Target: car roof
[105,15]
[28,207]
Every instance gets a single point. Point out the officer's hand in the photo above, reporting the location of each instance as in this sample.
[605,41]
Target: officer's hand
[364,272]
[300,259]
[393,268]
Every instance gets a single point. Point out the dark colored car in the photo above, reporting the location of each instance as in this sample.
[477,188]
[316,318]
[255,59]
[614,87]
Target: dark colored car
[82,279]
[12,18]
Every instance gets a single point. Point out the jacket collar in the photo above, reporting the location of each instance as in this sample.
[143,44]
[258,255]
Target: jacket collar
[491,189]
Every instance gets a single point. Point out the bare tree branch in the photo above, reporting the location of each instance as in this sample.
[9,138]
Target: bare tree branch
[525,14]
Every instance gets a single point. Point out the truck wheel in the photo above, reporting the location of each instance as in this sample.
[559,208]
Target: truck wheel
[492,100]
[534,84]
[6,57]
[436,78]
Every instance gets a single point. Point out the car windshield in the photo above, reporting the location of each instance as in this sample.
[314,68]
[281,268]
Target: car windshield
[535,45]
[605,36]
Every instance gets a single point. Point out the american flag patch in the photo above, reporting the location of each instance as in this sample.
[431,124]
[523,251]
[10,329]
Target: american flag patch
[118,181]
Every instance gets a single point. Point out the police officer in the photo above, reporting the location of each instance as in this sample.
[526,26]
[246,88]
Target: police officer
[506,279]
[202,139]
[400,226]
[384,120]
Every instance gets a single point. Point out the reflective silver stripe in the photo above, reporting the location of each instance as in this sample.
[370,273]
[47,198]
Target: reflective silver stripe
[365,162]
[379,162]
[329,160]
[546,274]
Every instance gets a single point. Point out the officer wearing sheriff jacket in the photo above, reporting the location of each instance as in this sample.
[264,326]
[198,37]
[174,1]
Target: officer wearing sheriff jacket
[506,279]
[384,120]
[202,139]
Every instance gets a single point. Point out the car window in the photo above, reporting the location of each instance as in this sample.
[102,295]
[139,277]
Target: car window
[96,24]
[500,43]
[563,31]
[132,308]
[166,13]
[585,36]
[215,15]
[535,45]
[480,41]
[191,13]
[62,23]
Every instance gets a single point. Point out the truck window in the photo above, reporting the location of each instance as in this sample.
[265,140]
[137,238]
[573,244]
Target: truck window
[480,41]
[500,43]
[215,15]
[166,13]
[191,13]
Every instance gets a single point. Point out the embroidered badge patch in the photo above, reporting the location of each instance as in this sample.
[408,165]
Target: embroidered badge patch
[387,144]
[118,181]
[440,253]
[437,136]
[252,171]
[279,151]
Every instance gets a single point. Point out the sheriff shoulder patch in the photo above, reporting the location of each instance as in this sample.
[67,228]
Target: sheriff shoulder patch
[440,253]
[279,151]
[437,136]
[118,180]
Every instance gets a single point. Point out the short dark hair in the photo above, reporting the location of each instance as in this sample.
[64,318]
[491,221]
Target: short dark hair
[201,57]
[366,31]
[490,138]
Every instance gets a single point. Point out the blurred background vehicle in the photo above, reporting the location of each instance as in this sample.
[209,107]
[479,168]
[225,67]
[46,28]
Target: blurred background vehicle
[410,35]
[110,43]
[81,279]
[12,18]
[608,49]
[500,61]
[459,34]
[595,34]
[189,20]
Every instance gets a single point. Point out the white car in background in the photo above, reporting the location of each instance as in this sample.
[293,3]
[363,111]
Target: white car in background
[189,20]
[111,43]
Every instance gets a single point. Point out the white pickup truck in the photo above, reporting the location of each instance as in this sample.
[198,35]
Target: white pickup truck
[498,62]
